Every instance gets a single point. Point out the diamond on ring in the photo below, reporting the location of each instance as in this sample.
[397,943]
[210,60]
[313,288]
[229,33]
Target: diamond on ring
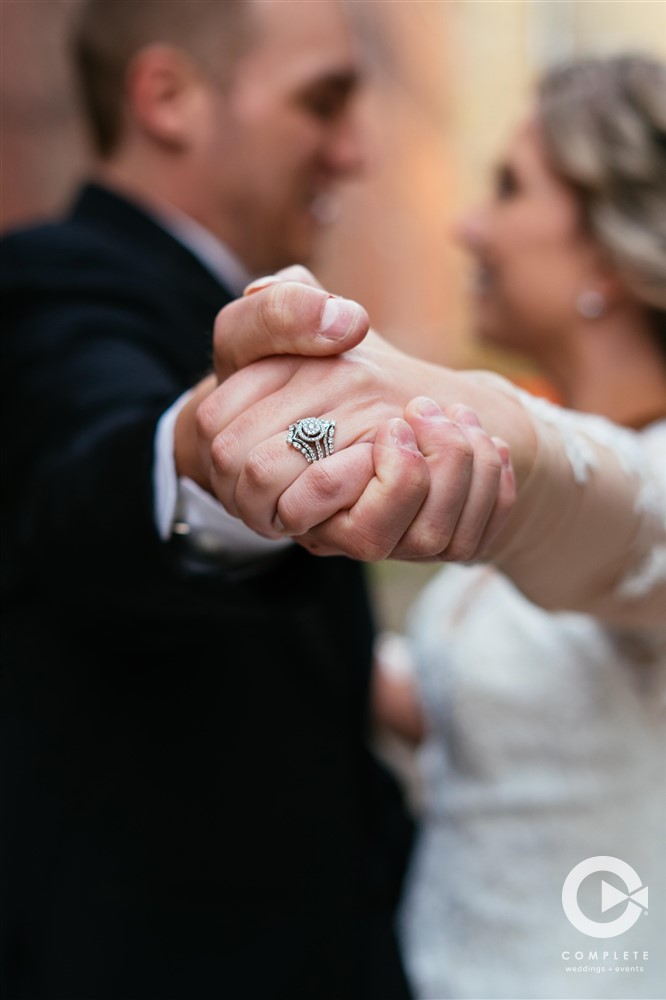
[313,437]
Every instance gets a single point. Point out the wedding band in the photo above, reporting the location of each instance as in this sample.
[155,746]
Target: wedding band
[313,437]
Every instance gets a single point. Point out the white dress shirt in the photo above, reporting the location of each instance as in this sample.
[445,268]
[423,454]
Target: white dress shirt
[181,505]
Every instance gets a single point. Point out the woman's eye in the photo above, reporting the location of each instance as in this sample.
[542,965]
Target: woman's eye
[323,108]
[506,184]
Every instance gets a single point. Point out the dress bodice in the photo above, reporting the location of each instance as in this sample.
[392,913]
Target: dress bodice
[545,746]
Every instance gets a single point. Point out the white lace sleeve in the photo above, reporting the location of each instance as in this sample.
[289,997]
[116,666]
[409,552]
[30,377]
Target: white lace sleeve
[589,531]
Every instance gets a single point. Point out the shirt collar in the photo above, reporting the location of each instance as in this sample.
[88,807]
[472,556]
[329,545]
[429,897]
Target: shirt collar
[207,248]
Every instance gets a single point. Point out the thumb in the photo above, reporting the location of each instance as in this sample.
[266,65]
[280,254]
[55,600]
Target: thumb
[285,317]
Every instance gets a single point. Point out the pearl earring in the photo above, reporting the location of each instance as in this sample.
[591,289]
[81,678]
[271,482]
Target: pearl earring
[590,304]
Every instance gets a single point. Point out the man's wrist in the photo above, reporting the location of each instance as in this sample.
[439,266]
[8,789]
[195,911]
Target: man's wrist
[186,444]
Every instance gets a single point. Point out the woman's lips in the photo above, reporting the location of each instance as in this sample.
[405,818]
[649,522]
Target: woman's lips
[482,280]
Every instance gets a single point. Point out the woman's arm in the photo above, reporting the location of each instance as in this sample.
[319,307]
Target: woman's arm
[588,530]
[572,540]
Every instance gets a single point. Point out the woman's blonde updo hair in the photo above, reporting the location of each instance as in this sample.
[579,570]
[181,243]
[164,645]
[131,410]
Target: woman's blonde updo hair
[603,121]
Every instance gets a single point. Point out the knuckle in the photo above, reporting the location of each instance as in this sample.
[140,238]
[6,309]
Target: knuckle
[291,515]
[461,549]
[407,478]
[220,323]
[286,308]
[507,499]
[356,380]
[224,341]
[293,510]
[220,455]
[259,469]
[489,469]
[419,481]
[271,310]
[322,484]
[366,551]
[456,445]
[487,453]
[269,318]
[425,542]
[204,421]
[370,546]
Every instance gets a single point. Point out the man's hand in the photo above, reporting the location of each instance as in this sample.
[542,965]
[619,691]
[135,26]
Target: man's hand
[408,481]
[295,316]
[293,319]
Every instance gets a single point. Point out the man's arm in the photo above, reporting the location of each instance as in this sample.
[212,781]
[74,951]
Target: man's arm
[567,541]
[410,488]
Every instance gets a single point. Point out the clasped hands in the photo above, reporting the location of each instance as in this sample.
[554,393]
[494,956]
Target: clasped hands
[410,478]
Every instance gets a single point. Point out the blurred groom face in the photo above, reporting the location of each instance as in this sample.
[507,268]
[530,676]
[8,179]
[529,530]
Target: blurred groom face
[282,134]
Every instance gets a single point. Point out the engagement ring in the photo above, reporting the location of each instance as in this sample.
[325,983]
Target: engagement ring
[313,437]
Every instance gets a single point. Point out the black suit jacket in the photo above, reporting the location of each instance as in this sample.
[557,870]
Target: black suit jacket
[188,805]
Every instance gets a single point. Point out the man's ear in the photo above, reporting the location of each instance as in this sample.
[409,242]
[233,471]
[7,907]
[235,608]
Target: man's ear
[163,91]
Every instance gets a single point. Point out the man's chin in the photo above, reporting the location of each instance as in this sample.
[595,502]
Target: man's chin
[301,250]
[301,242]
[325,208]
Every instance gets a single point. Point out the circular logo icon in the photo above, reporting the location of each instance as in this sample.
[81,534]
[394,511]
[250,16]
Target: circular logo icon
[636,897]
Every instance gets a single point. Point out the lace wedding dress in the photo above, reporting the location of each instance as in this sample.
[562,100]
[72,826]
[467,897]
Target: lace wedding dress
[545,746]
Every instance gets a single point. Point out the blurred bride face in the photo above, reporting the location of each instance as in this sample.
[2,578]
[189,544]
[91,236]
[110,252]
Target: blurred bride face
[532,254]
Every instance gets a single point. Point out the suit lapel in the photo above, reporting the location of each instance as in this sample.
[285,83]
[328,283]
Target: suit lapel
[190,294]
[104,210]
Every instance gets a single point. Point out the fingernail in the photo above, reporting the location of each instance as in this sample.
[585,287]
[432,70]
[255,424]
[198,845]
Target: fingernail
[502,451]
[403,435]
[429,408]
[277,524]
[259,283]
[463,415]
[337,317]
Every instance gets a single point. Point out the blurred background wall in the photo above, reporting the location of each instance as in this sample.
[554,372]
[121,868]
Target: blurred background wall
[449,80]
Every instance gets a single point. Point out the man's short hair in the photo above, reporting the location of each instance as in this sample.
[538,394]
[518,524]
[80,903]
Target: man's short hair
[108,34]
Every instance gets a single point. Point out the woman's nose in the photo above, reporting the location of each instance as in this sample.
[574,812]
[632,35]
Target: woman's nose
[468,229]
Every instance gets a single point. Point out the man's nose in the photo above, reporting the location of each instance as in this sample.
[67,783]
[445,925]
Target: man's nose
[347,148]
